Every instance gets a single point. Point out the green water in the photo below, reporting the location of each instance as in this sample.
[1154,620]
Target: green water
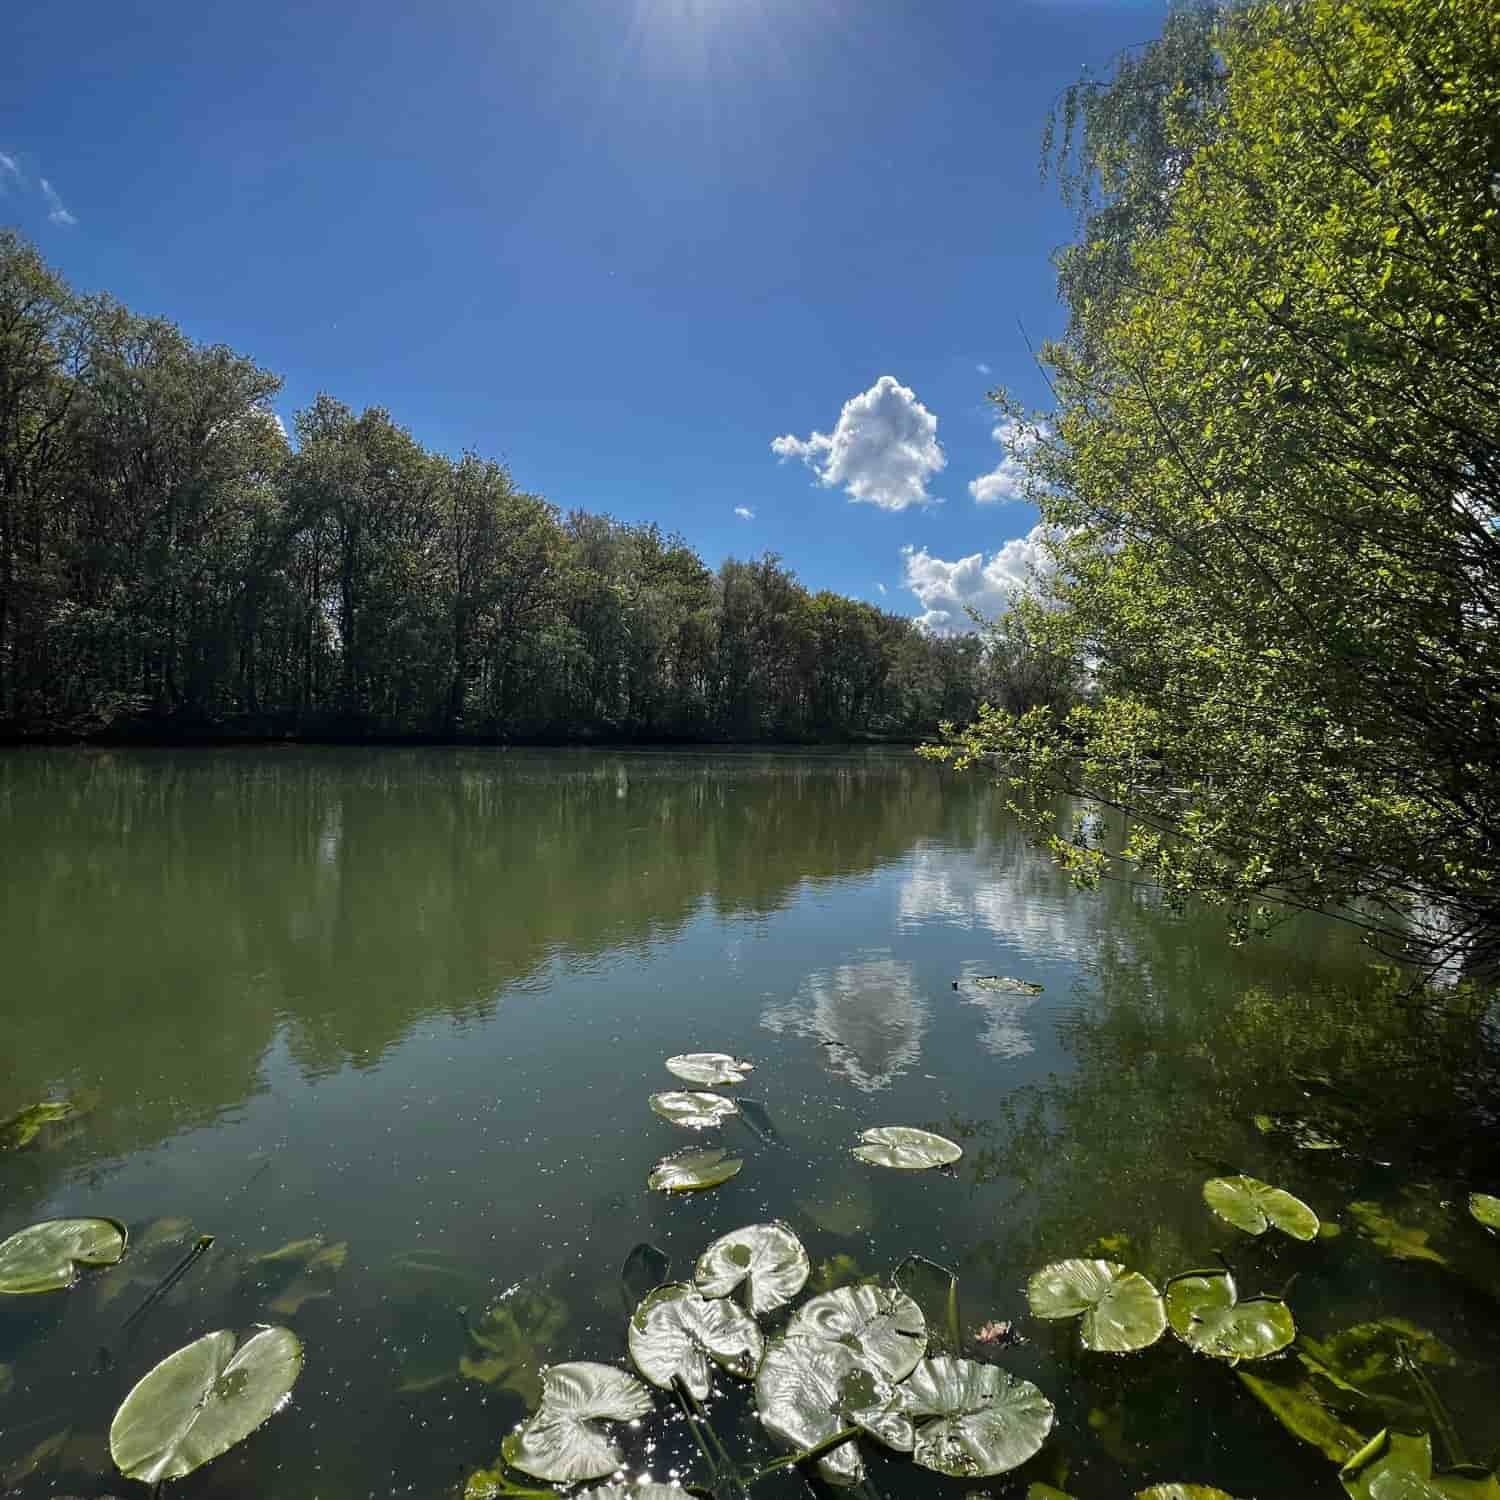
[416,1002]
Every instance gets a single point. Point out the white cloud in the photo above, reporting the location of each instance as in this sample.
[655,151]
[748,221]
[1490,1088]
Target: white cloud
[9,167]
[882,451]
[881,587]
[983,368]
[744,512]
[56,212]
[947,590]
[1007,479]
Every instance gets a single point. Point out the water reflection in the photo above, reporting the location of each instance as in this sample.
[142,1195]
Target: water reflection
[868,1015]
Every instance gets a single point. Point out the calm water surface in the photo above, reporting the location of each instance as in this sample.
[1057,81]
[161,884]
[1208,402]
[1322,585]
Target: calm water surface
[415,1002]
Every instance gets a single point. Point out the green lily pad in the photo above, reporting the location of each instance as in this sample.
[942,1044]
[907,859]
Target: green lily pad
[1486,1208]
[676,1331]
[709,1069]
[509,1342]
[201,1401]
[1398,1466]
[906,1148]
[769,1258]
[1121,1310]
[1182,1492]
[693,1171]
[986,1421]
[633,1492]
[23,1128]
[1254,1206]
[883,1326]
[693,1111]
[1205,1312]
[1001,984]
[45,1257]
[808,1390]
[564,1441]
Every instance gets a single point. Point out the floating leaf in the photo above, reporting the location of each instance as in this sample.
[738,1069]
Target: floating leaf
[633,1492]
[1121,1310]
[45,1257]
[769,1257]
[23,1128]
[906,1147]
[1398,1466]
[1254,1206]
[564,1441]
[709,1069]
[1300,1410]
[1486,1208]
[1205,1312]
[883,1326]
[1299,1132]
[690,1171]
[1182,1492]
[201,1401]
[1401,1241]
[1001,984]
[509,1343]
[676,1331]
[694,1111]
[987,1420]
[808,1390]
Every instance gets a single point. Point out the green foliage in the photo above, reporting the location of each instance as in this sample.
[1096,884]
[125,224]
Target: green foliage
[1271,473]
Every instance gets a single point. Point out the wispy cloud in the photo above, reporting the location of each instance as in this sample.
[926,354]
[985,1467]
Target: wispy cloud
[1007,480]
[948,590]
[882,451]
[56,211]
[882,588]
[744,512]
[983,368]
[10,170]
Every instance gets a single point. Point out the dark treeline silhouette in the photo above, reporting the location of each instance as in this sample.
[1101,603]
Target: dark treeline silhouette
[171,565]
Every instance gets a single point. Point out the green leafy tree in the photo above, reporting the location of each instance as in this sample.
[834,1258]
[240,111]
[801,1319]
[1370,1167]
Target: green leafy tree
[1273,471]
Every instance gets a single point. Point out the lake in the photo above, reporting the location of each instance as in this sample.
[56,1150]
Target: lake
[414,1003]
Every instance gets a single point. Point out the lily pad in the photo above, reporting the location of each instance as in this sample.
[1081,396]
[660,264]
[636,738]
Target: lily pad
[1182,1492]
[23,1128]
[676,1331]
[1486,1208]
[1205,1312]
[1001,984]
[1254,1206]
[883,1326]
[769,1258]
[1398,1466]
[1121,1310]
[692,1171]
[201,1401]
[564,1441]
[907,1148]
[45,1257]
[709,1069]
[651,1491]
[693,1111]
[986,1421]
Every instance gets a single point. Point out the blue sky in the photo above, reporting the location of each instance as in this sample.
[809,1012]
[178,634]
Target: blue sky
[624,245]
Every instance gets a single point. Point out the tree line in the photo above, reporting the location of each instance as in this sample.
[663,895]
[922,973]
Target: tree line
[171,564]
[1272,469]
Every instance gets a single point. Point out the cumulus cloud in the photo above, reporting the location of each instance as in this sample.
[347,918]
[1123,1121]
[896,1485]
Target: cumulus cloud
[948,590]
[1007,479]
[744,512]
[56,212]
[882,451]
